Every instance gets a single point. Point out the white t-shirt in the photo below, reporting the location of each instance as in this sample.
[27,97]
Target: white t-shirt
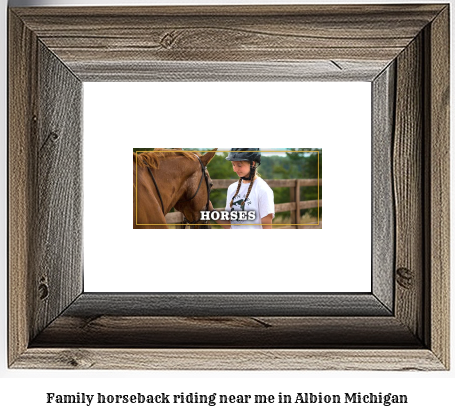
[260,200]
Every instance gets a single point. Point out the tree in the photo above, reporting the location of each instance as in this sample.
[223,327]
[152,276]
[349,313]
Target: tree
[142,149]
[309,164]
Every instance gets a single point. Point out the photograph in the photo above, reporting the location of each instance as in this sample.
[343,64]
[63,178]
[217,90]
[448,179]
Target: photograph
[266,188]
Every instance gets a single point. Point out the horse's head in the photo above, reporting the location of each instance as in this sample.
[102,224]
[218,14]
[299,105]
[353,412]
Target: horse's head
[198,191]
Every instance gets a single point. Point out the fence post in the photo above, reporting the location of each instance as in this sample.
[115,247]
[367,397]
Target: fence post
[292,199]
[297,203]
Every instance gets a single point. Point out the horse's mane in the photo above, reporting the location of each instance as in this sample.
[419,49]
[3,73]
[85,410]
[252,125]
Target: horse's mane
[154,157]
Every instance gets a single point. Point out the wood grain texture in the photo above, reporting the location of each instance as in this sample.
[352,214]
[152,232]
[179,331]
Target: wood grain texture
[438,201]
[227,71]
[22,131]
[226,304]
[383,215]
[98,47]
[408,188]
[223,332]
[229,359]
[57,271]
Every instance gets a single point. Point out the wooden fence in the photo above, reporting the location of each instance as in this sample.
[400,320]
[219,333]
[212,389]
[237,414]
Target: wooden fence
[293,206]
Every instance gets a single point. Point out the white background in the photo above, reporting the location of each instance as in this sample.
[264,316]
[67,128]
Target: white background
[24,391]
[333,116]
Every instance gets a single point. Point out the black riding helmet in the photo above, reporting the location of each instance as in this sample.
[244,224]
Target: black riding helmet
[245,154]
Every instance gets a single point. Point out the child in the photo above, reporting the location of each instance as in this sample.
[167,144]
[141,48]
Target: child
[250,193]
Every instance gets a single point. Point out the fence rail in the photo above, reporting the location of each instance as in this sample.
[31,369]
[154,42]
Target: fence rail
[294,206]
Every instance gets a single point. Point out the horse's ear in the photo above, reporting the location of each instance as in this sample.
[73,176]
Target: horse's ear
[208,156]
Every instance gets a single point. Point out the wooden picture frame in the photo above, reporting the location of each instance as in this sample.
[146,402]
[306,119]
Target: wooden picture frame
[403,324]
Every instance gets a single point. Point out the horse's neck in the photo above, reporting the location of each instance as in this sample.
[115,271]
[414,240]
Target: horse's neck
[173,176]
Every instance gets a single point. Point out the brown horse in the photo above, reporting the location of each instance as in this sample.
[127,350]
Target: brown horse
[178,177]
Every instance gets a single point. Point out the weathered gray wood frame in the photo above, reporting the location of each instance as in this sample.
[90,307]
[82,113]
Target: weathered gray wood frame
[403,50]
